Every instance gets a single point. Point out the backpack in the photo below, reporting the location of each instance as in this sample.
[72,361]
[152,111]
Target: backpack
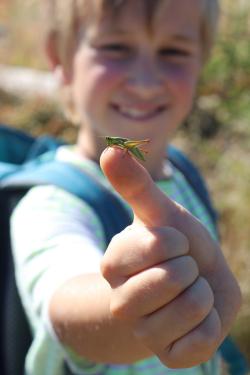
[26,161]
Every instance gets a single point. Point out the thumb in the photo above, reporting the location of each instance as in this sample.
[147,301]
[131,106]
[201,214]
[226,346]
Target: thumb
[132,181]
[152,207]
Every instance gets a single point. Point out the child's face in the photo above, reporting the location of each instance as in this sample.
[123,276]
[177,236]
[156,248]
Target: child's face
[137,83]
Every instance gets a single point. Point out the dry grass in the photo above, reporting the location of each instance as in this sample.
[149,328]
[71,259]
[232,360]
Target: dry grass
[21,44]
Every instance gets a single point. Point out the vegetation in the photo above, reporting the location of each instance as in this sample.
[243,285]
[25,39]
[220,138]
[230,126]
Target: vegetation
[218,129]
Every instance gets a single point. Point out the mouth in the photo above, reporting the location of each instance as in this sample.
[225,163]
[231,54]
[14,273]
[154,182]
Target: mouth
[137,113]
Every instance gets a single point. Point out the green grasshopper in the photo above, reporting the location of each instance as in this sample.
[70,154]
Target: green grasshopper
[130,145]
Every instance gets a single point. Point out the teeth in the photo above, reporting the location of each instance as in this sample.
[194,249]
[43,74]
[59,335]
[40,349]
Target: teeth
[136,113]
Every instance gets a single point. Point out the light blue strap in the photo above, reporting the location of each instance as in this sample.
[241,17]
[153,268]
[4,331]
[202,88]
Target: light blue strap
[107,206]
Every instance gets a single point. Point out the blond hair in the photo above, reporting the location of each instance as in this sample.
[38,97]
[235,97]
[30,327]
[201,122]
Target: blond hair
[64,17]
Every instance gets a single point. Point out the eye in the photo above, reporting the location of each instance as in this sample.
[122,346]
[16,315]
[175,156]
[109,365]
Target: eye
[116,49]
[174,52]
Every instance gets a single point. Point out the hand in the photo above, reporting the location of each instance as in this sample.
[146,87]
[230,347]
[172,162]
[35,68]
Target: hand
[168,277]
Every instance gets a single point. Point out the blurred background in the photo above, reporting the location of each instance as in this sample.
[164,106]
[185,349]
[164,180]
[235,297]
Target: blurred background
[216,136]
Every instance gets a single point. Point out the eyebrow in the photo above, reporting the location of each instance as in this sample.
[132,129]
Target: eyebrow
[184,37]
[115,30]
[176,37]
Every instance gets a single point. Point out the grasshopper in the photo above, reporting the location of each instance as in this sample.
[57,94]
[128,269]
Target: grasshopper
[130,145]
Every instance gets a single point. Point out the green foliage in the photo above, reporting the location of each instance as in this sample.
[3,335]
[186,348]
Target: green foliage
[227,75]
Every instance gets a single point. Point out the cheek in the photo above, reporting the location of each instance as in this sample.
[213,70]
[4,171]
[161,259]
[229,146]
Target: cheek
[95,81]
[182,82]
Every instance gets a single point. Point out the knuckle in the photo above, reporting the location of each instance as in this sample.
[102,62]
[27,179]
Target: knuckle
[167,238]
[190,263]
[160,277]
[198,346]
[207,353]
[116,310]
[183,242]
[198,300]
[153,240]
[205,350]
[174,280]
[181,272]
[172,363]
[176,241]
[107,266]
[187,357]
[106,269]
[162,243]
[209,334]
[176,359]
[195,309]
[150,334]
[110,264]
[123,305]
[119,309]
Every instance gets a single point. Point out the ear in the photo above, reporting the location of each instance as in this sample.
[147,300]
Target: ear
[51,49]
[62,69]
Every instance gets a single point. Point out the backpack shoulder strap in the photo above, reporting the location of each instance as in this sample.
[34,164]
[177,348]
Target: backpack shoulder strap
[17,146]
[194,178]
[113,216]
[14,145]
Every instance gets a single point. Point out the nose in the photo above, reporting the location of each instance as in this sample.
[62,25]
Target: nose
[145,77]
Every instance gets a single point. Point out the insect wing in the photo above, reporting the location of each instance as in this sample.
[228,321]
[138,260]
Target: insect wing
[137,153]
[133,143]
[133,146]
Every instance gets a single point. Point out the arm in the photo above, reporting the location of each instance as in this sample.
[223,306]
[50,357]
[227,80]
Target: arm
[80,314]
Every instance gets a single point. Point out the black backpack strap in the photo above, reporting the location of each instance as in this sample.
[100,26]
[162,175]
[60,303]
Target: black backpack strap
[193,176]
[15,336]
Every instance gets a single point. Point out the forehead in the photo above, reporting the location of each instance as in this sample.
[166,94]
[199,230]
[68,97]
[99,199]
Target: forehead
[156,16]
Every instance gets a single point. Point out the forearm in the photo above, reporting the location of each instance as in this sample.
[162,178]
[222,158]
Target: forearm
[80,315]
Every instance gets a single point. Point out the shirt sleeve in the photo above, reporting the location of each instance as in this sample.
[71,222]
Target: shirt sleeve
[55,237]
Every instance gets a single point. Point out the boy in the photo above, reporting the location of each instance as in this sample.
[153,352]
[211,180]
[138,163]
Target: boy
[162,296]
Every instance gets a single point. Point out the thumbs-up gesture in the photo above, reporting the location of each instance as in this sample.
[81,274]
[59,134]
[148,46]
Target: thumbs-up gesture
[169,280]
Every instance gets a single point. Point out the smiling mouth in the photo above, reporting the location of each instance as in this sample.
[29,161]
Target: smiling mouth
[138,114]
